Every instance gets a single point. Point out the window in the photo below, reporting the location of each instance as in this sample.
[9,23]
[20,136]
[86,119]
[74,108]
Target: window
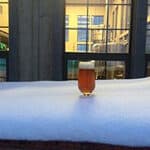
[97,27]
[82,21]
[97,20]
[81,47]
[82,35]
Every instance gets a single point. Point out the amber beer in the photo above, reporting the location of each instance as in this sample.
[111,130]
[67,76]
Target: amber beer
[86,77]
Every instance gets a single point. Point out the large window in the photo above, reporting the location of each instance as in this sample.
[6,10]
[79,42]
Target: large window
[4,37]
[101,27]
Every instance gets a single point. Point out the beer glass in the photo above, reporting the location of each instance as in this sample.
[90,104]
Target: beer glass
[86,77]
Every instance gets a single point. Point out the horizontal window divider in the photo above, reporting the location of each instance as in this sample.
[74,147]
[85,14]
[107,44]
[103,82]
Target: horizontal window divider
[4,26]
[97,56]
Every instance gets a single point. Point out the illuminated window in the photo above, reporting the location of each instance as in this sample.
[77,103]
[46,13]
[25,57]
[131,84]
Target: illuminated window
[95,27]
[97,20]
[81,47]
[82,35]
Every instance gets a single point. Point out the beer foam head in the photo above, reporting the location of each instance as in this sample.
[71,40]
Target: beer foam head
[87,65]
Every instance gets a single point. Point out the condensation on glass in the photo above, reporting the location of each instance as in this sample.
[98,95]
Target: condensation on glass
[4,25]
[103,69]
[100,26]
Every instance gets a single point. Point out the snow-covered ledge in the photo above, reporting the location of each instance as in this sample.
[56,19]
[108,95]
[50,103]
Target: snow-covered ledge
[117,113]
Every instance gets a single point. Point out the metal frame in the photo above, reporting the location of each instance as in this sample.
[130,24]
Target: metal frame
[5,54]
[101,56]
[138,38]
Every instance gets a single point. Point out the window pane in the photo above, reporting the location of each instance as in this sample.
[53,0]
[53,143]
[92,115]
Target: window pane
[75,9]
[97,20]
[98,16]
[103,69]
[97,41]
[82,35]
[2,70]
[81,47]
[119,16]
[90,24]
[118,41]
[3,14]
[71,43]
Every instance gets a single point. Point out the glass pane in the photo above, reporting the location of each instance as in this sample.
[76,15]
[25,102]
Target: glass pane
[98,16]
[76,12]
[119,16]
[97,41]
[118,41]
[148,42]
[72,68]
[2,70]
[4,39]
[103,69]
[71,40]
[3,15]
[115,70]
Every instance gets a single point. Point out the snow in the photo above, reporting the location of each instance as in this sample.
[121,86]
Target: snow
[118,112]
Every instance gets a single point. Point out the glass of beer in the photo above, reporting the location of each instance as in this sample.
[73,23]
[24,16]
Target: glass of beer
[86,77]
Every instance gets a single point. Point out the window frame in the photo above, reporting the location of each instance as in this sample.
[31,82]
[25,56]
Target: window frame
[125,57]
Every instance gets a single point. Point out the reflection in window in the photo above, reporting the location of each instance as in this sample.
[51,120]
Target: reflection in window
[82,21]
[82,35]
[103,69]
[97,20]
[81,47]
[100,23]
